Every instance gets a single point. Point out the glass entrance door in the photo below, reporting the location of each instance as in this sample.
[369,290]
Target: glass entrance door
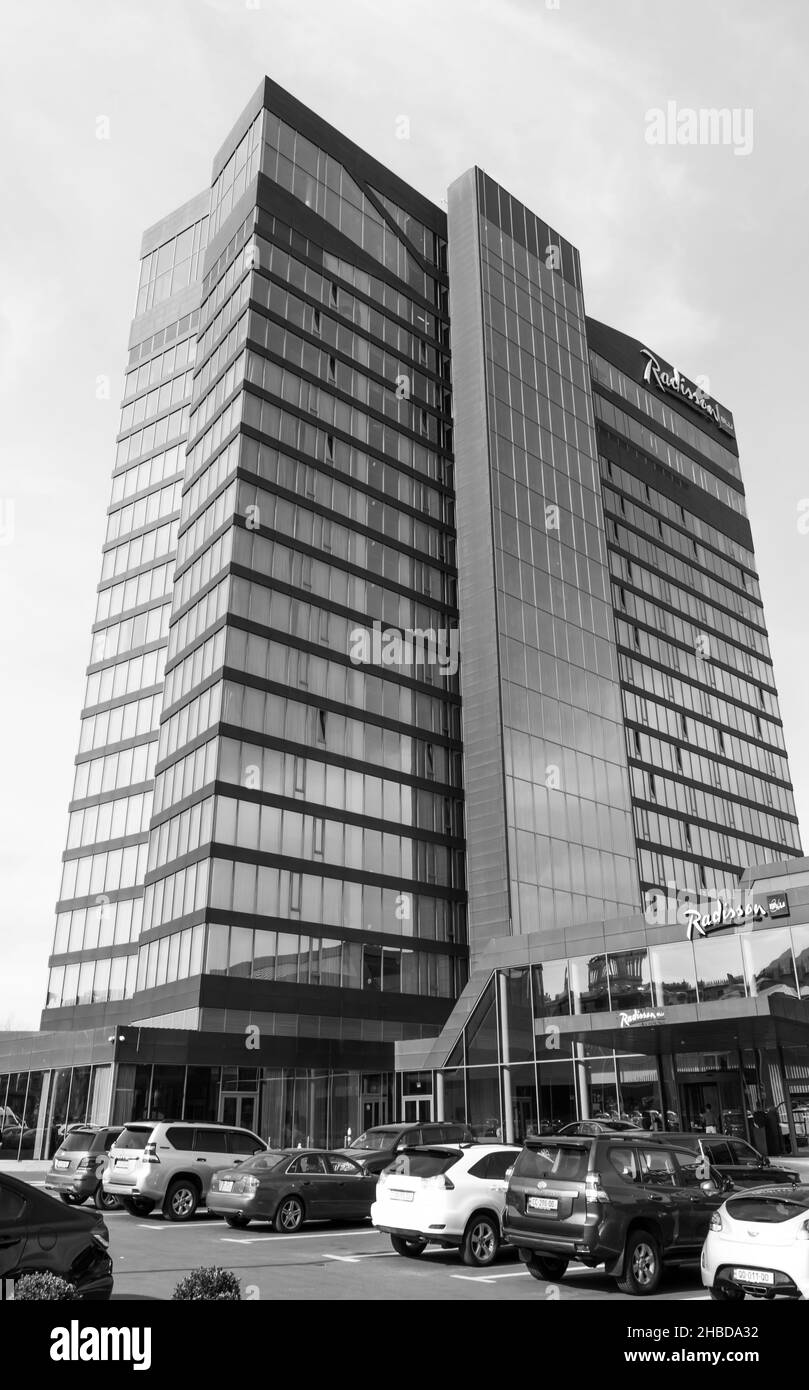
[418,1109]
[238,1110]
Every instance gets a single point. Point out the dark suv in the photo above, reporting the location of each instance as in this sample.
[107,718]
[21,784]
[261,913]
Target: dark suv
[731,1157]
[377,1147]
[611,1199]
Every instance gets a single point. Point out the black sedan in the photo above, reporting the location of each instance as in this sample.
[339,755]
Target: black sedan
[289,1186]
[40,1235]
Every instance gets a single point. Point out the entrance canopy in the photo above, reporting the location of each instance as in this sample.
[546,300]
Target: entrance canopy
[721,1025]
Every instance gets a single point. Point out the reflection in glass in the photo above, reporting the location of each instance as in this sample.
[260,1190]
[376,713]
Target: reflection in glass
[674,976]
[720,973]
[551,993]
[768,963]
[630,982]
[588,977]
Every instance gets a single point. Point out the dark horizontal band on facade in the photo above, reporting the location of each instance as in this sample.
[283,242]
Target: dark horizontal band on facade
[700,719]
[609,482]
[619,519]
[659,808]
[253,921]
[676,442]
[668,775]
[721,758]
[654,664]
[617,549]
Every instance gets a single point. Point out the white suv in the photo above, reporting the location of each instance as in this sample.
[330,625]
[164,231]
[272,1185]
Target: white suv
[171,1165]
[450,1195]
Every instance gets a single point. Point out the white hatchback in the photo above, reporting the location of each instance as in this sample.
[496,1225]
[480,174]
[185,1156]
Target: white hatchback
[445,1194]
[758,1243]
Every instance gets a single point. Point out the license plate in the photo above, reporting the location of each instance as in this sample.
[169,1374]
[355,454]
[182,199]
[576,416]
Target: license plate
[226,1187]
[123,1162]
[61,1163]
[399,1195]
[543,1204]
[754,1276]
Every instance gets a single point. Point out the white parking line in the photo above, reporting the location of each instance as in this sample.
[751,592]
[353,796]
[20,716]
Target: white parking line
[492,1278]
[304,1235]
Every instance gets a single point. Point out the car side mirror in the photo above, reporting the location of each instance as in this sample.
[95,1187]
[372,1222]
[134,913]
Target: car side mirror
[710,1187]
[237,1161]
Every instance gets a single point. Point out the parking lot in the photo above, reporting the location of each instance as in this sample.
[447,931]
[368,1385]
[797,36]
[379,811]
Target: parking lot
[334,1262]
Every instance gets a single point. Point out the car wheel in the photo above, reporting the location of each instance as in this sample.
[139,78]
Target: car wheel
[182,1200]
[239,1223]
[411,1248]
[106,1201]
[543,1266]
[289,1216]
[726,1293]
[72,1199]
[481,1240]
[137,1206]
[642,1265]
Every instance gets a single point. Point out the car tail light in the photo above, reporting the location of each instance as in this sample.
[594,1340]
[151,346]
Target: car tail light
[440,1180]
[102,1237]
[802,1232]
[593,1191]
[715,1223]
[150,1153]
[383,1178]
[86,1164]
[250,1184]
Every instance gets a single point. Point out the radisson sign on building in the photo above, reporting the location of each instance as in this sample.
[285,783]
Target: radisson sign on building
[674,383]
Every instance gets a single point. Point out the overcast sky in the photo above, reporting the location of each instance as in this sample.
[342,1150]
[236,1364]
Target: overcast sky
[697,250]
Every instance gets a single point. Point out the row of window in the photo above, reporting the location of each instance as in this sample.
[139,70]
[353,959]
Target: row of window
[563,866]
[264,417]
[652,443]
[176,895]
[129,768]
[218,511]
[215,364]
[296,522]
[312,623]
[187,775]
[538,908]
[103,924]
[187,629]
[682,573]
[688,729]
[651,404]
[211,478]
[155,401]
[708,536]
[199,664]
[194,718]
[233,294]
[181,834]
[688,633]
[163,364]
[686,837]
[205,409]
[540,340]
[699,556]
[145,511]
[201,450]
[350,325]
[304,960]
[145,475]
[154,436]
[141,589]
[297,835]
[655,867]
[123,722]
[685,604]
[573,595]
[700,701]
[240,169]
[177,329]
[282,564]
[92,982]
[142,550]
[345,684]
[105,872]
[109,820]
[723,810]
[338,788]
[379,292]
[214,274]
[209,564]
[361,508]
[172,266]
[568,439]
[740,782]
[125,677]
[151,626]
[698,665]
[385,479]
[523,264]
[529,384]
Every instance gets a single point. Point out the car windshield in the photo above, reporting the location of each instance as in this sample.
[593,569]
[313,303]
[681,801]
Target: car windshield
[564,1161]
[263,1161]
[78,1141]
[767,1209]
[133,1138]
[374,1139]
[424,1163]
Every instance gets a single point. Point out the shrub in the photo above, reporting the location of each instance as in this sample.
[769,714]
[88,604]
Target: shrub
[32,1287]
[210,1282]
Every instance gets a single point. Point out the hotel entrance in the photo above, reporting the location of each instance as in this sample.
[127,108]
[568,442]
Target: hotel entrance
[714,1106]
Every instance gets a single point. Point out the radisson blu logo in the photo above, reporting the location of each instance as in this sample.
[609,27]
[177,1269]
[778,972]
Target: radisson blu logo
[674,384]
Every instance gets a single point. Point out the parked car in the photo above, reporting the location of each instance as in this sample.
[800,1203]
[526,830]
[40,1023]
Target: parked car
[289,1186]
[452,1196]
[611,1199]
[598,1127]
[40,1235]
[77,1166]
[734,1158]
[758,1243]
[375,1148]
[171,1164]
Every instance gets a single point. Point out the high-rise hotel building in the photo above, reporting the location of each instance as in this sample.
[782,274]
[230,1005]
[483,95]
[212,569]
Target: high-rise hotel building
[298,821]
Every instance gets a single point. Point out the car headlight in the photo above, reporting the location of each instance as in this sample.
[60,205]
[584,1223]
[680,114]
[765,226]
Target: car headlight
[716,1222]
[802,1232]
